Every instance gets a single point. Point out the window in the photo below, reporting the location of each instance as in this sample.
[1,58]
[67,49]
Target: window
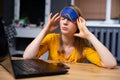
[92,9]
[115,12]
[33,10]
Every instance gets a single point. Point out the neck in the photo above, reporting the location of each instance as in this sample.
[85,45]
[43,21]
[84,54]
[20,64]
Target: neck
[67,40]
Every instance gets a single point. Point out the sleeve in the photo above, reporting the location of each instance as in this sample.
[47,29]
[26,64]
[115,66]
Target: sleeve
[92,56]
[44,45]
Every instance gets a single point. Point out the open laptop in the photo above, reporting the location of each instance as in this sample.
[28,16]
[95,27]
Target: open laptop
[30,67]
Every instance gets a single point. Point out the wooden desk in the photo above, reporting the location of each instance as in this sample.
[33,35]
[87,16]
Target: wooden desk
[78,71]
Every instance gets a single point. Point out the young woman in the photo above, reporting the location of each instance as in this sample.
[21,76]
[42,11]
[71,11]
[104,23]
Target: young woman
[75,43]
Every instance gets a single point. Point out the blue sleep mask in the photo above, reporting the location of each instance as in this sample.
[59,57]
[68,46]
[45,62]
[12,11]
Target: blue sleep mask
[70,14]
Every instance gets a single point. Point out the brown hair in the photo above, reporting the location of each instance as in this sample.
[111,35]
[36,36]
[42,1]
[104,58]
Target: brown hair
[79,43]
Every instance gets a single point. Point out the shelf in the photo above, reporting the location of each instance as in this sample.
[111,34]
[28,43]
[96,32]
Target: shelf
[24,37]
[27,32]
[19,52]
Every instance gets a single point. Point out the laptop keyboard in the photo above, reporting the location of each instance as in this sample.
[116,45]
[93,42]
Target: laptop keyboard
[28,69]
[30,65]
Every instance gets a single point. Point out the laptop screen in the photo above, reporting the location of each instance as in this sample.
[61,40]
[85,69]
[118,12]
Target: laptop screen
[4,51]
[3,41]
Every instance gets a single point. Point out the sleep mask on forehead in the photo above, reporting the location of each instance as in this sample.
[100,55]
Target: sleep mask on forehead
[70,14]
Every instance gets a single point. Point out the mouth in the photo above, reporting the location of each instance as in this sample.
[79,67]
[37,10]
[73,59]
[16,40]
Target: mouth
[64,28]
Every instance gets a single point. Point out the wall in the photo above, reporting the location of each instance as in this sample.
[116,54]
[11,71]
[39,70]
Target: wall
[58,5]
[8,11]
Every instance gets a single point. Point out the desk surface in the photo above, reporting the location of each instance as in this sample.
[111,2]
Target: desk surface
[77,71]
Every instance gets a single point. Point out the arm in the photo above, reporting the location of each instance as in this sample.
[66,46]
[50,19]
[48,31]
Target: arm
[105,55]
[107,59]
[33,48]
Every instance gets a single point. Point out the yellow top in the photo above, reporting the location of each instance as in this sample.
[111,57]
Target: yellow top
[51,43]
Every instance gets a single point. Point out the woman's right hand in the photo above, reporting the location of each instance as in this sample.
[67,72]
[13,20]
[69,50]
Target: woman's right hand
[33,48]
[51,25]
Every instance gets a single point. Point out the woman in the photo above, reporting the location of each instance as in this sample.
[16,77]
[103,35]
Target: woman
[75,43]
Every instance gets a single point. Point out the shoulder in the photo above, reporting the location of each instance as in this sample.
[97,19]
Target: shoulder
[51,36]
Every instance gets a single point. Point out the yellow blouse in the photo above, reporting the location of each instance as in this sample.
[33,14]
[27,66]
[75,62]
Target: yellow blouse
[50,43]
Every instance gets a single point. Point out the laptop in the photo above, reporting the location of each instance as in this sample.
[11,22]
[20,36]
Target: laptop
[27,68]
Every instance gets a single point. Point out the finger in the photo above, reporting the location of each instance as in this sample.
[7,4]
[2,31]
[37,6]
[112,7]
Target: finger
[57,18]
[79,23]
[82,20]
[50,16]
[55,15]
[77,35]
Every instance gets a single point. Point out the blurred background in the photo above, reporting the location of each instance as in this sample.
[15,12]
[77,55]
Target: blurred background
[26,18]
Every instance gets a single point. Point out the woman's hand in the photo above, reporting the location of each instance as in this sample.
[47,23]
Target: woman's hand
[83,31]
[99,47]
[51,25]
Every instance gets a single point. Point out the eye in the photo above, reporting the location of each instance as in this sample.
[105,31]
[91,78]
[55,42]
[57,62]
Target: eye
[63,18]
[69,20]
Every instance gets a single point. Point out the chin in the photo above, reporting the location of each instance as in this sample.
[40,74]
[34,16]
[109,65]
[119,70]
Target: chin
[64,32]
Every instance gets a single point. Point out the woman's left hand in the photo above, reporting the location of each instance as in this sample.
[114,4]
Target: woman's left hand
[99,47]
[83,31]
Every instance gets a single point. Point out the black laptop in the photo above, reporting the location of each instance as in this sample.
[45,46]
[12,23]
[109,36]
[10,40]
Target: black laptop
[26,68]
